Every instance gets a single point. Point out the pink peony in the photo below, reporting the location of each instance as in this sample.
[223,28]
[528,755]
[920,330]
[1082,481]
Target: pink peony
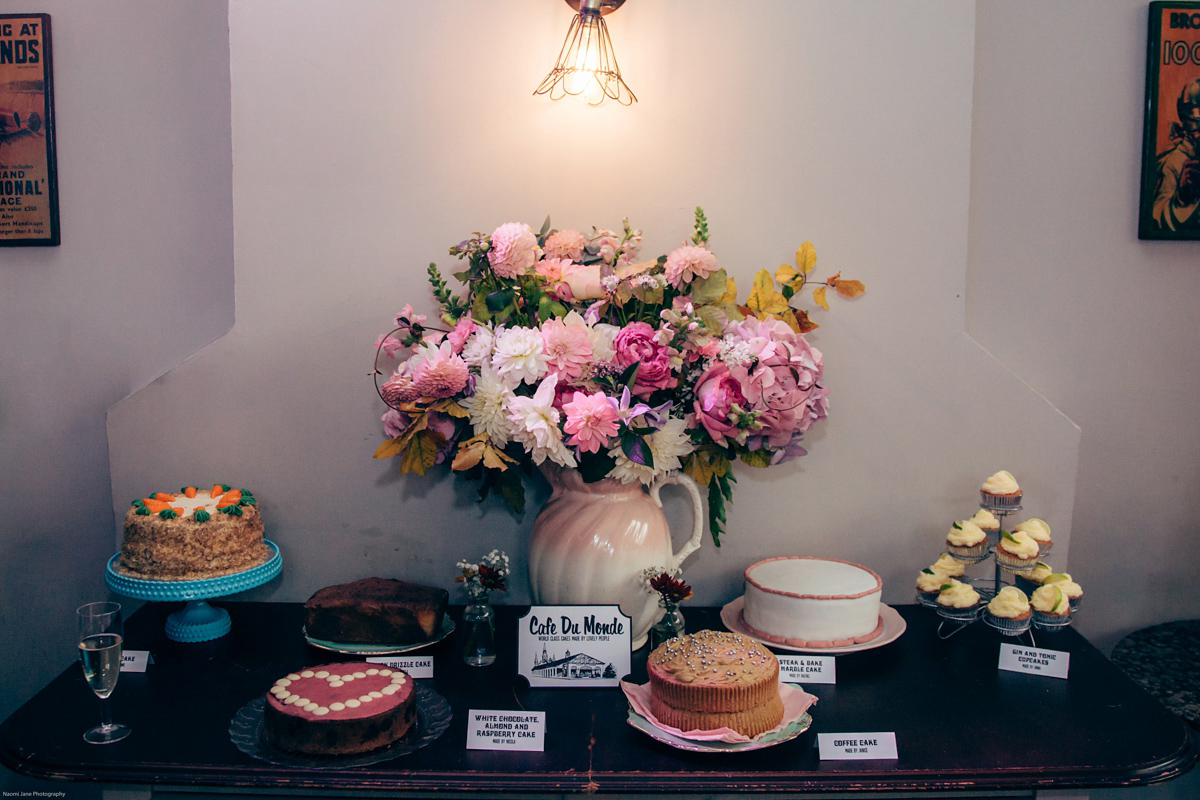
[514,249]
[566,244]
[443,375]
[591,420]
[717,391]
[783,382]
[635,344]
[462,331]
[689,263]
[568,348]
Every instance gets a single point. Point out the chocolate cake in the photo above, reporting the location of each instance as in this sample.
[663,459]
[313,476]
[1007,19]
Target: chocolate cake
[339,709]
[375,611]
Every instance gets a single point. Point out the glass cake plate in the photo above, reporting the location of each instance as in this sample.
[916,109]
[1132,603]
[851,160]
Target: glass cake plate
[893,626]
[433,718]
[198,621]
[356,649]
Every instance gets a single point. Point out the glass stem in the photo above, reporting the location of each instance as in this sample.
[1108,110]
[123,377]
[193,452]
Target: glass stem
[105,714]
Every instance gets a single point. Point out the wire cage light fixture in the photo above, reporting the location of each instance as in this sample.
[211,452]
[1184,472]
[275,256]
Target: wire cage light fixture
[586,65]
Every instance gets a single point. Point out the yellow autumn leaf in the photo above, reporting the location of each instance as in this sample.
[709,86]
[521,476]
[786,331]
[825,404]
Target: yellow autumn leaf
[763,299]
[788,276]
[390,448]
[450,408]
[819,297]
[730,295]
[422,452]
[494,458]
[806,257]
[469,454]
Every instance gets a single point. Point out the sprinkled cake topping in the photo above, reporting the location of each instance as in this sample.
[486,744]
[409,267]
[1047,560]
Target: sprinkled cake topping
[713,657]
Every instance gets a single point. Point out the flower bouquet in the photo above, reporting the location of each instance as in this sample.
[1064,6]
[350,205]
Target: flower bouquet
[564,347]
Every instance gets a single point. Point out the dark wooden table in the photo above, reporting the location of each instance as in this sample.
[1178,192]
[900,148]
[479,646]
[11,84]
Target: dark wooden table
[961,725]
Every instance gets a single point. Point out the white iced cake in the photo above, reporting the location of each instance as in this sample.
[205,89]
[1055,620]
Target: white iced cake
[812,602]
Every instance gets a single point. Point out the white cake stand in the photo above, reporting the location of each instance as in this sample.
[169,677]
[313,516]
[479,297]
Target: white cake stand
[197,621]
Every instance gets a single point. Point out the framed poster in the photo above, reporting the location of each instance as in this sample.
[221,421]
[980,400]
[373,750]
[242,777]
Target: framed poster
[1170,197]
[28,168]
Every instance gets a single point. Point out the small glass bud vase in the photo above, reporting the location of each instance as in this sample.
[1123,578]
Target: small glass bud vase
[670,626]
[479,624]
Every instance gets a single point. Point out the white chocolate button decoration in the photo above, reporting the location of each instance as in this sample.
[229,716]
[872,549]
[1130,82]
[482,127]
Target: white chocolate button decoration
[352,703]
[336,706]
[308,673]
[325,697]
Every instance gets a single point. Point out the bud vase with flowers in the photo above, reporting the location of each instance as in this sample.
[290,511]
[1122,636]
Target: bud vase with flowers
[479,620]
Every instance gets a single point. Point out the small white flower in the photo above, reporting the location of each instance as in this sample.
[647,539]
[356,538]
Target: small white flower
[535,425]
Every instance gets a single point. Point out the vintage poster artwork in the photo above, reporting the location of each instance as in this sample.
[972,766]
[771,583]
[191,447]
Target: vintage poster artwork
[28,172]
[1170,197]
[574,646]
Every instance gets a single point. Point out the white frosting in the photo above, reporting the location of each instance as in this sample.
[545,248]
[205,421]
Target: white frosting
[965,533]
[949,565]
[958,595]
[986,520]
[1002,482]
[1021,545]
[1049,599]
[1037,528]
[1010,603]
[931,582]
[811,599]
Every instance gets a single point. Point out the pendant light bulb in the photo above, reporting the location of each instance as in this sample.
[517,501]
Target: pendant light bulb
[586,65]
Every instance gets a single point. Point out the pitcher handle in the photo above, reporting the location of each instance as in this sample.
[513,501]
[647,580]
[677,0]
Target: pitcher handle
[693,544]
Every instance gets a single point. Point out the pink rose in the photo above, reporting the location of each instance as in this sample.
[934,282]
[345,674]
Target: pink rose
[717,391]
[583,282]
[635,344]
[514,249]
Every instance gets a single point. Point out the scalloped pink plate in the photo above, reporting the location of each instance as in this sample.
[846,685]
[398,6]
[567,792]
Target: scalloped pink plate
[893,626]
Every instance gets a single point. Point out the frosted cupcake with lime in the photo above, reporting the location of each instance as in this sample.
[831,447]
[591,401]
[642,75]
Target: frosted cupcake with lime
[986,521]
[1016,551]
[1031,580]
[929,584]
[967,541]
[1009,611]
[958,601]
[1001,492]
[1070,588]
[1039,531]
[1051,608]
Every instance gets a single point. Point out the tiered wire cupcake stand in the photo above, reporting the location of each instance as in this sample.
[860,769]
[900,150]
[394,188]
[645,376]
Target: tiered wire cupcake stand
[955,620]
[197,621]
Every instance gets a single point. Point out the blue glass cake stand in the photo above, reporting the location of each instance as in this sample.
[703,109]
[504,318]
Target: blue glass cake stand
[197,621]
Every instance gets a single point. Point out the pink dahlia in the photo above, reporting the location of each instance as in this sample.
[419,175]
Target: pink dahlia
[443,375]
[591,420]
[568,348]
[689,263]
[399,388]
[514,249]
[566,244]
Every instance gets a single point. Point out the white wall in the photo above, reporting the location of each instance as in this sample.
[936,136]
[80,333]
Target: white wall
[143,279]
[974,163]
[845,123]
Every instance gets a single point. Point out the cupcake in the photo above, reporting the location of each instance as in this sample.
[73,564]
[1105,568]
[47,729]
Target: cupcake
[986,521]
[929,583]
[1008,612]
[967,541]
[1039,531]
[1016,551]
[1001,492]
[958,601]
[1031,580]
[1051,608]
[1070,588]
[949,566]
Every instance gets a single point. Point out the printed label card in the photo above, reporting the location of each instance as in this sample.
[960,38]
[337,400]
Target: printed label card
[415,666]
[1032,661]
[573,646]
[857,746]
[807,669]
[135,660]
[506,730]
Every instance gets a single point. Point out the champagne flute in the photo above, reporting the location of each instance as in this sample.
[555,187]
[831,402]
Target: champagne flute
[101,632]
